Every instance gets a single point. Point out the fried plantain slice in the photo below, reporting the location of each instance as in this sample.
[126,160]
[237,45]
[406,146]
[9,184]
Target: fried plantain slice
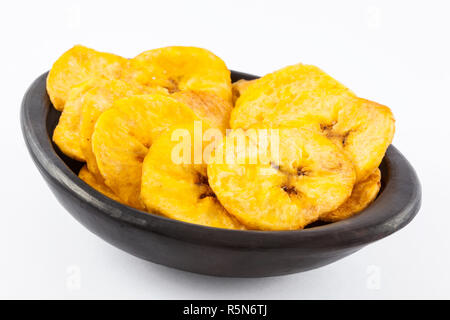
[97,100]
[98,94]
[181,68]
[91,180]
[364,129]
[77,65]
[288,187]
[305,96]
[66,133]
[180,189]
[123,134]
[208,106]
[363,194]
[239,87]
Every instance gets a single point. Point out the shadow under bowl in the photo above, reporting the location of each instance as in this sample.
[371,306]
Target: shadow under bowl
[206,250]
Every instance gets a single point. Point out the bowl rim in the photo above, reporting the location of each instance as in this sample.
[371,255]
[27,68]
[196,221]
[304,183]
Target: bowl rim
[396,205]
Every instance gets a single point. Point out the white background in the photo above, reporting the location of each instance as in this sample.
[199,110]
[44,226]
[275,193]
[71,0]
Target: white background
[393,52]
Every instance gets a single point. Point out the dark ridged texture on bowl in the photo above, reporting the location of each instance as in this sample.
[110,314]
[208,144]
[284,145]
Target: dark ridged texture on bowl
[208,250]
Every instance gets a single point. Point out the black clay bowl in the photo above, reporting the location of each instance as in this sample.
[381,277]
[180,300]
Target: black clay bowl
[208,250]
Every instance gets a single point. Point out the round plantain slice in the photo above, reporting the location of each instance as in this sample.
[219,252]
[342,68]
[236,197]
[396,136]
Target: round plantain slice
[305,96]
[97,94]
[92,181]
[180,189]
[97,100]
[181,68]
[66,134]
[77,65]
[123,134]
[239,87]
[283,182]
[363,194]
[208,106]
[364,130]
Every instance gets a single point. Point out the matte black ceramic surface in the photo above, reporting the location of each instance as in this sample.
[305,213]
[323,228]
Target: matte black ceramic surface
[208,250]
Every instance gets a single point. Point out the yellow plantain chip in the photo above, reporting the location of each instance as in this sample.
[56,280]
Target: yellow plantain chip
[364,129]
[239,87]
[97,100]
[90,179]
[66,134]
[94,95]
[207,106]
[123,134]
[363,194]
[176,187]
[181,68]
[305,96]
[281,182]
[78,65]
